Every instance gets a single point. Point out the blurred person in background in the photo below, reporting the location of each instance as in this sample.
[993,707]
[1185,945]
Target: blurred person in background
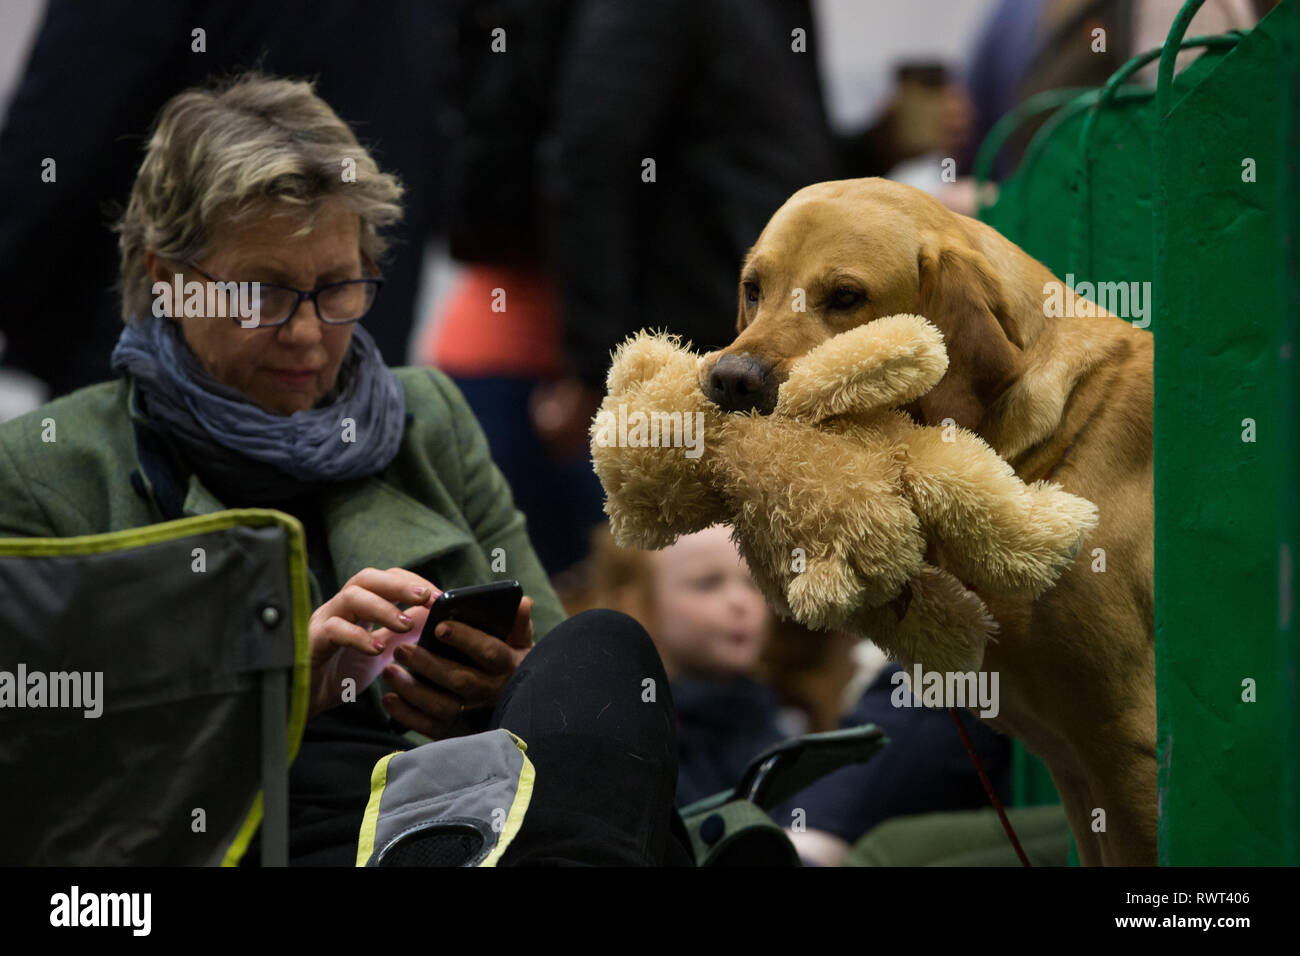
[497,332]
[710,623]
[678,128]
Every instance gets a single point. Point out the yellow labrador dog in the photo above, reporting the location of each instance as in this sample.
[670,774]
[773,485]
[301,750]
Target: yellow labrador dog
[1064,397]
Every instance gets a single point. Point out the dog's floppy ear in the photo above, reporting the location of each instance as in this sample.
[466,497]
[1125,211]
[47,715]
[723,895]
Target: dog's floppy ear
[961,295]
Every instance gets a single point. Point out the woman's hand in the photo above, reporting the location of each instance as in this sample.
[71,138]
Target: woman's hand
[370,595]
[431,710]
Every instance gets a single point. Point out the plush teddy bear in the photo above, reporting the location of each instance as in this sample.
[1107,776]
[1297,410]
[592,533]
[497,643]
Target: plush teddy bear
[834,498]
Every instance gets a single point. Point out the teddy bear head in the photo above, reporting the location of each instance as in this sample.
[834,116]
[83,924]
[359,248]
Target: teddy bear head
[648,443]
[648,440]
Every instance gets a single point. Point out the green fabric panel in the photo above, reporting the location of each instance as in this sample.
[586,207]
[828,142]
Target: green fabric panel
[1288,334]
[1223,586]
[1088,212]
[1110,234]
[1085,207]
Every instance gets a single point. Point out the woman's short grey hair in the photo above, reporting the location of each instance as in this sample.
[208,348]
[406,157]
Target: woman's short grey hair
[218,154]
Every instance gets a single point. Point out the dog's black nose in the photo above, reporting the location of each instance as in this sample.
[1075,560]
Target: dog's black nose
[739,383]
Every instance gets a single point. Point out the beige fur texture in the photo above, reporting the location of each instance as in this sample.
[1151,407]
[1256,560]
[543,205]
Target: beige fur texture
[1068,397]
[834,498]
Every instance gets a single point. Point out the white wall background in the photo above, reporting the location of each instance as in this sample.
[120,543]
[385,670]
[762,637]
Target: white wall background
[18,22]
[862,40]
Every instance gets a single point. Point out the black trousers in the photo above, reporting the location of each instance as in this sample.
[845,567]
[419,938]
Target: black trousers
[592,703]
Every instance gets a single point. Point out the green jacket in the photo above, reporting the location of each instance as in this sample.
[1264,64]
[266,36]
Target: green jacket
[441,508]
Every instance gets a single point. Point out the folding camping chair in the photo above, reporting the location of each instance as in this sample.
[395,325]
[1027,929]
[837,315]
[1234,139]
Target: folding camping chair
[189,640]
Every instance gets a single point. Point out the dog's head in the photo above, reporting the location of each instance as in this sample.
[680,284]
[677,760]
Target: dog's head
[841,254]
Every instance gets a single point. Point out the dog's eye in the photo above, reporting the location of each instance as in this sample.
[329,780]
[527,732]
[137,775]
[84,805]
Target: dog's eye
[751,293]
[845,297]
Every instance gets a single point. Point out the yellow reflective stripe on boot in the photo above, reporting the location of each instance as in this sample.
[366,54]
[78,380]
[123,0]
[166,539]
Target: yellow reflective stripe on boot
[378,777]
[515,818]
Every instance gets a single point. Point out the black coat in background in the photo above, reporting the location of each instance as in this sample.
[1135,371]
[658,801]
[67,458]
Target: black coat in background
[98,74]
[713,92]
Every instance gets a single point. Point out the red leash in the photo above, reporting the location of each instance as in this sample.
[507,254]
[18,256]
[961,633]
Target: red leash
[970,749]
[988,788]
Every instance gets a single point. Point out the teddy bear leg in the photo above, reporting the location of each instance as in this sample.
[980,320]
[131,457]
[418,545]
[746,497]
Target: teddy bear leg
[818,594]
[998,533]
[945,628]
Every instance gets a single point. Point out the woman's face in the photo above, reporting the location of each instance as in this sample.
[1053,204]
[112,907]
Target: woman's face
[263,249]
[710,619]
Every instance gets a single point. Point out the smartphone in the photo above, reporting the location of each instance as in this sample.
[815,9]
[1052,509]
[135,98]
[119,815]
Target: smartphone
[490,608]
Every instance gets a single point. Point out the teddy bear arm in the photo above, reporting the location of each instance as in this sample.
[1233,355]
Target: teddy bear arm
[883,364]
[646,524]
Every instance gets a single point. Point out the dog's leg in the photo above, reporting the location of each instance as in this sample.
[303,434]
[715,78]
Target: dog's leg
[1077,800]
[1127,791]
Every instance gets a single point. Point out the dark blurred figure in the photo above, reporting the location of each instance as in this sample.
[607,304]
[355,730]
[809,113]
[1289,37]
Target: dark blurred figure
[723,96]
[567,249]
[97,75]
[497,331]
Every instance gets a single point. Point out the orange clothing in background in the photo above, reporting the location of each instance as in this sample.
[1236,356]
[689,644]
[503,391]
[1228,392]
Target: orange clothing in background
[521,339]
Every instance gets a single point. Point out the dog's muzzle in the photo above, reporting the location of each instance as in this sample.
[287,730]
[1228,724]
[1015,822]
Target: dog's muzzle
[742,383]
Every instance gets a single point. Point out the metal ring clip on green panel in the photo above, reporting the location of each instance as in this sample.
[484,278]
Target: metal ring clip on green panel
[1081,259]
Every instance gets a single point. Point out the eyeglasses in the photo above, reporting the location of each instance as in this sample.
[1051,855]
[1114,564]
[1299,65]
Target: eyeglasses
[339,303]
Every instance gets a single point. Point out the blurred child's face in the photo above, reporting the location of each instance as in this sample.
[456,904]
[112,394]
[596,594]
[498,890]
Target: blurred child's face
[710,619]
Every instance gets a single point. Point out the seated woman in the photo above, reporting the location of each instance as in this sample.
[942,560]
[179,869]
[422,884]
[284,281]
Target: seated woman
[287,404]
